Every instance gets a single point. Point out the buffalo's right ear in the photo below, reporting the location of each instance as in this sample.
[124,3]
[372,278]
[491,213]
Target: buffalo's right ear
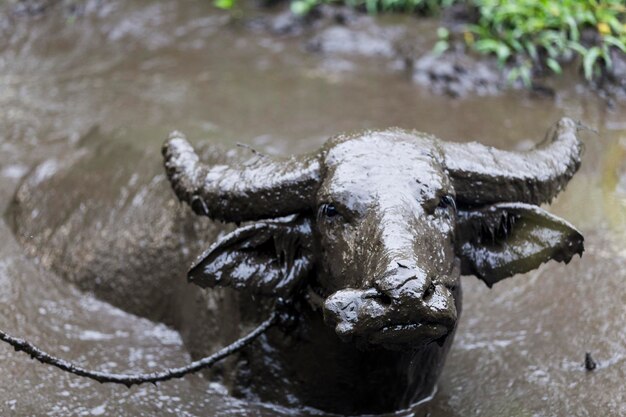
[270,257]
[501,240]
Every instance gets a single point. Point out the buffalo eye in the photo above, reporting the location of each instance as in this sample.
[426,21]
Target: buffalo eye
[329,210]
[447,201]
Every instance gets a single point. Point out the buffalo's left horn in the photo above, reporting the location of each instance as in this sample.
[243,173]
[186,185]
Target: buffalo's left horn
[483,175]
[263,187]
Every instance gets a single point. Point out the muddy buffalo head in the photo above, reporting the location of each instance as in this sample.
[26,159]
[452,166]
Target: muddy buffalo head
[376,228]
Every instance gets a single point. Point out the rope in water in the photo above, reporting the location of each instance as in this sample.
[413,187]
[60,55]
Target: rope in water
[137,379]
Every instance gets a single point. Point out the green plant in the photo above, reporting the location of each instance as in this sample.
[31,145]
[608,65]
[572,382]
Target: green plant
[443,42]
[544,33]
[302,7]
[224,4]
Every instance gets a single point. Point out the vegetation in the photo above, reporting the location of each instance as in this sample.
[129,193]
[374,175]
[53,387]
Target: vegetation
[542,33]
[302,7]
[526,35]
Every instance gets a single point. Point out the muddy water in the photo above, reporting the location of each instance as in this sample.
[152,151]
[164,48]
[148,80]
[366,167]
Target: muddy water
[140,70]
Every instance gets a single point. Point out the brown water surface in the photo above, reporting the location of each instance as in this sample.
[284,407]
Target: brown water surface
[140,69]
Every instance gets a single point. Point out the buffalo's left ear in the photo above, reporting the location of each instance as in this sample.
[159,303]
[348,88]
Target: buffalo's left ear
[270,257]
[501,240]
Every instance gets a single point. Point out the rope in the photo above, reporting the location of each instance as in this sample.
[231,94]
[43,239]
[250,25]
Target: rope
[137,379]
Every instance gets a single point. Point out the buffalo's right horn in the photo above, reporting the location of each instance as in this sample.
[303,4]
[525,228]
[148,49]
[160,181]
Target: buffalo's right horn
[261,188]
[484,175]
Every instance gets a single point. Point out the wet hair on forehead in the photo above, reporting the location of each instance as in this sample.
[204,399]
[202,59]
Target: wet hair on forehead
[396,146]
[356,188]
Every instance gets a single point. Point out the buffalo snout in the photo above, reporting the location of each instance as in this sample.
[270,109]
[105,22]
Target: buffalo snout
[404,308]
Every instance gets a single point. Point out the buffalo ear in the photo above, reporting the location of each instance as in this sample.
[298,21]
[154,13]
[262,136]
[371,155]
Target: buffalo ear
[501,240]
[270,257]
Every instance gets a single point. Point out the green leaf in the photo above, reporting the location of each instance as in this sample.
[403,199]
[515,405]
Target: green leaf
[513,75]
[441,47]
[589,61]
[606,56]
[614,23]
[224,4]
[551,50]
[554,65]
[575,46]
[486,45]
[526,76]
[532,50]
[371,6]
[522,73]
[300,8]
[503,52]
[613,41]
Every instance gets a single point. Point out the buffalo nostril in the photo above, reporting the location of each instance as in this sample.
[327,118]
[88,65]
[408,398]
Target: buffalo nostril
[429,291]
[384,299]
[441,306]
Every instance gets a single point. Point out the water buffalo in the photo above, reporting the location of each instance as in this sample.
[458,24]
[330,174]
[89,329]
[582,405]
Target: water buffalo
[369,237]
